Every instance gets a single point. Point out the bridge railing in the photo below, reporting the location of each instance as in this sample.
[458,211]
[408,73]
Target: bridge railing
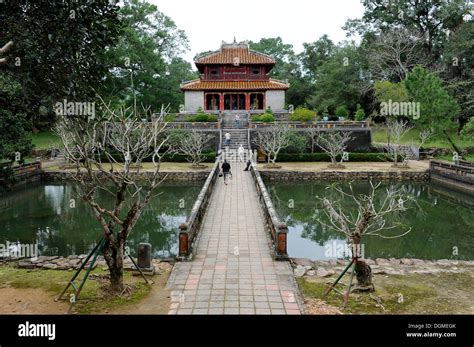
[278,229]
[190,229]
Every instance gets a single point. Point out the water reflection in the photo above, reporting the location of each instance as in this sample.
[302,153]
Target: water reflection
[442,222]
[43,214]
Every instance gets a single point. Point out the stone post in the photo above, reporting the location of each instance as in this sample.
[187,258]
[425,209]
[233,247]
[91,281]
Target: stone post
[144,257]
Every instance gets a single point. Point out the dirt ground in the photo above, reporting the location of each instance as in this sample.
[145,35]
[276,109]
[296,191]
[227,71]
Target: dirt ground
[23,292]
[413,166]
[29,301]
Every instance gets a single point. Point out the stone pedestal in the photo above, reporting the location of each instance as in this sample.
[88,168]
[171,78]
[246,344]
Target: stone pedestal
[144,258]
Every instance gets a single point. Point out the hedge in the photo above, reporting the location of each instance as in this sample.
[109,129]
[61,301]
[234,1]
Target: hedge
[323,157]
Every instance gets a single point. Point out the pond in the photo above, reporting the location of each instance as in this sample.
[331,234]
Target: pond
[442,223]
[42,214]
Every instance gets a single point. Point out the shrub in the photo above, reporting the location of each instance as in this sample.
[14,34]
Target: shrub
[170,118]
[269,110]
[342,111]
[360,114]
[333,118]
[202,117]
[265,118]
[298,143]
[212,118]
[302,114]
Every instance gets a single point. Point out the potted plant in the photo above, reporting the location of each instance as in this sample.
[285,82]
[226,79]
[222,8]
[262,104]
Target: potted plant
[342,113]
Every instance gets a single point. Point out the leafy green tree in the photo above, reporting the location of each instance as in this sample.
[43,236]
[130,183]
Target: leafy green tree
[458,60]
[14,124]
[385,91]
[341,80]
[315,54]
[438,109]
[287,68]
[430,18]
[150,46]
[58,50]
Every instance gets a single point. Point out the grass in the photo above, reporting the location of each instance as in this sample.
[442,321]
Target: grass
[93,298]
[379,134]
[468,157]
[445,293]
[44,140]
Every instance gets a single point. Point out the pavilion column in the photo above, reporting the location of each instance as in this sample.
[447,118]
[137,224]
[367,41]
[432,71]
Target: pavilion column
[264,101]
[247,101]
[221,102]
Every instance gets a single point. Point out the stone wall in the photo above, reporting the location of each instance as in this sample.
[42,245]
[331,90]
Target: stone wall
[193,100]
[59,176]
[276,100]
[281,175]
[309,268]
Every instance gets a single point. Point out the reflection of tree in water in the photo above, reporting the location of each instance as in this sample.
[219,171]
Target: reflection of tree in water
[43,214]
[438,223]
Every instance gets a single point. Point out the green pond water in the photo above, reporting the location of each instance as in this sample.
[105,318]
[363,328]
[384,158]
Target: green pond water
[42,214]
[442,223]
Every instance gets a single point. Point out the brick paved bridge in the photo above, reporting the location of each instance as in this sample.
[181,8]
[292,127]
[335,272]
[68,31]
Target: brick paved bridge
[233,271]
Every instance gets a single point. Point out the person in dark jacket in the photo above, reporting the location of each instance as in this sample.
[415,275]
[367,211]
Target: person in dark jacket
[225,170]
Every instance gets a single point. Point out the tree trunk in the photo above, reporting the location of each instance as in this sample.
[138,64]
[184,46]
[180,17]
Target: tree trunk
[116,279]
[363,271]
[456,148]
[113,256]
[364,276]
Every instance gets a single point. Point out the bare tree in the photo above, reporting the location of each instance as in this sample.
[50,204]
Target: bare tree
[313,134]
[4,50]
[107,153]
[424,136]
[369,220]
[396,130]
[334,143]
[192,143]
[271,141]
[396,52]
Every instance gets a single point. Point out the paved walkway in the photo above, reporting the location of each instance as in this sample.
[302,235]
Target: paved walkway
[233,271]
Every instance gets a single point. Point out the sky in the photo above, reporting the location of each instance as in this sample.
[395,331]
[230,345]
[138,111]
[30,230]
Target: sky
[208,22]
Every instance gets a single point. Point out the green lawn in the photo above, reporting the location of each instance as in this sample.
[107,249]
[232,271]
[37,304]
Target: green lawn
[45,139]
[379,134]
[468,157]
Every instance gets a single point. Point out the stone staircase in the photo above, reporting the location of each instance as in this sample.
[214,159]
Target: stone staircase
[239,136]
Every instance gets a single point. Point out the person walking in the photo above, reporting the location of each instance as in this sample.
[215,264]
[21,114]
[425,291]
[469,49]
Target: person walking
[241,152]
[227,139]
[225,170]
[237,121]
[249,164]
